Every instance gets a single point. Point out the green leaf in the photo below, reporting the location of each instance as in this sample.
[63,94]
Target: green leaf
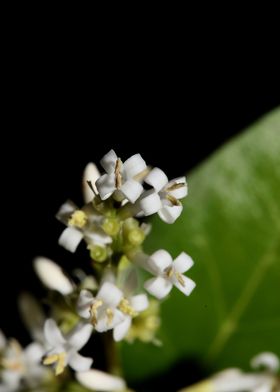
[231,228]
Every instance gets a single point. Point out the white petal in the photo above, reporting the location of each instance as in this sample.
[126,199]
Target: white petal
[108,162]
[268,360]
[32,315]
[158,287]
[106,185]
[3,340]
[181,192]
[150,203]
[84,303]
[183,263]
[97,237]
[128,281]
[80,336]
[122,329]
[104,324]
[230,381]
[34,353]
[139,302]
[188,286]
[79,363]
[91,173]
[65,211]
[157,179]
[169,214]
[11,380]
[110,294]
[100,381]
[159,261]
[70,239]
[52,276]
[131,190]
[53,334]
[134,165]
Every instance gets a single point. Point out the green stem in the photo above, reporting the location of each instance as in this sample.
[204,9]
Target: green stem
[112,355]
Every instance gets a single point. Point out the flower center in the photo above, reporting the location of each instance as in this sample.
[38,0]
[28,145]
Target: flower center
[78,219]
[93,310]
[59,360]
[169,273]
[110,316]
[126,308]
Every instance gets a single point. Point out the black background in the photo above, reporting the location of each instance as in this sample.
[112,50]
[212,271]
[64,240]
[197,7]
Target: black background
[58,116]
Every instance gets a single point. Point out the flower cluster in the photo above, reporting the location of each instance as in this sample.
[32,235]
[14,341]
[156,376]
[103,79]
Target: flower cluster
[111,297]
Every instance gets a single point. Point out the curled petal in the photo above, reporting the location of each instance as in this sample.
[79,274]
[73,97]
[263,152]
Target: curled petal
[52,276]
[79,363]
[139,302]
[150,203]
[131,190]
[65,211]
[70,239]
[183,263]
[80,336]
[169,214]
[106,185]
[177,192]
[158,287]
[53,334]
[108,162]
[157,179]
[110,294]
[91,173]
[160,260]
[121,330]
[99,381]
[134,165]
[186,285]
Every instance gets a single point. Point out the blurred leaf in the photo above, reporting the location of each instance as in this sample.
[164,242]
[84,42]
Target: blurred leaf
[231,228]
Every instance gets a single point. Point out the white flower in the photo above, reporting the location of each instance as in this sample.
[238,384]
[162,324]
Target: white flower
[99,381]
[90,176]
[82,224]
[52,276]
[101,310]
[64,349]
[168,273]
[121,178]
[22,366]
[165,196]
[234,380]
[130,305]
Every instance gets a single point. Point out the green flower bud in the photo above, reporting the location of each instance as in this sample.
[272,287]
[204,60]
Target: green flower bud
[98,253]
[136,237]
[111,226]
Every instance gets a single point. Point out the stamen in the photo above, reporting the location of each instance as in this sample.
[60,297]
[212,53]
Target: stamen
[173,200]
[180,279]
[110,315]
[126,308]
[93,310]
[140,176]
[118,176]
[59,359]
[169,272]
[78,219]
[175,186]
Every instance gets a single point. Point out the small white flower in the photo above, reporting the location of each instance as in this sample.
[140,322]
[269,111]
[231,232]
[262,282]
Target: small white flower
[64,349]
[99,381]
[123,179]
[90,175]
[52,276]
[165,196]
[130,305]
[168,273]
[22,366]
[82,224]
[101,310]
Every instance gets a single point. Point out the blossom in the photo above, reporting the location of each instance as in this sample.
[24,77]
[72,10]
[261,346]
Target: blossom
[52,276]
[121,179]
[235,380]
[101,310]
[168,273]
[81,224]
[165,196]
[64,349]
[100,381]
[130,305]
[21,367]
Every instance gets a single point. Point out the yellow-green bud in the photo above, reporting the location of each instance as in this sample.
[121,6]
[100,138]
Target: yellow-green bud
[111,226]
[98,253]
[136,237]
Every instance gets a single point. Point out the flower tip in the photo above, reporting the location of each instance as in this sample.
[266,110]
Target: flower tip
[52,276]
[100,381]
